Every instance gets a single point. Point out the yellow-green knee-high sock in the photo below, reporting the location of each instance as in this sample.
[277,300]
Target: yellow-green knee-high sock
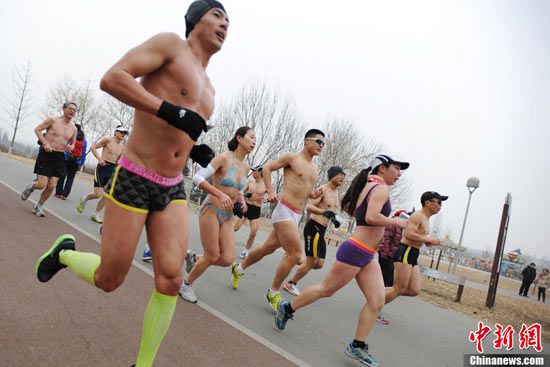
[83,264]
[156,321]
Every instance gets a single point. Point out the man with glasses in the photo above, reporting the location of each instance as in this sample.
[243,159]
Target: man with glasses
[406,278]
[111,149]
[322,212]
[300,176]
[55,136]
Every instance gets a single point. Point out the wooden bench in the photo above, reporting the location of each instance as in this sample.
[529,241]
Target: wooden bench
[449,278]
[331,237]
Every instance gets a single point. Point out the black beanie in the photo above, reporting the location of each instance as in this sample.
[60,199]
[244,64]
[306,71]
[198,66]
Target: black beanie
[195,12]
[334,170]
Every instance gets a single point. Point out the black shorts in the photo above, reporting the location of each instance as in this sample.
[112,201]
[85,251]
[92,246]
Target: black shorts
[102,174]
[314,237]
[407,255]
[50,164]
[137,194]
[253,212]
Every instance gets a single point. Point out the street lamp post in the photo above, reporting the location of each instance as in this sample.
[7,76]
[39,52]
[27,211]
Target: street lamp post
[472,184]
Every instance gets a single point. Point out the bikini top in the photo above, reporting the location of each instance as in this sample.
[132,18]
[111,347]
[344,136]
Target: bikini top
[231,180]
[361,210]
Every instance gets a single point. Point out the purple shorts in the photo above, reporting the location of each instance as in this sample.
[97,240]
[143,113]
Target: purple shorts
[352,253]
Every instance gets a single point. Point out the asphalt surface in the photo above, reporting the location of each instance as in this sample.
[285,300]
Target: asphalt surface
[69,323]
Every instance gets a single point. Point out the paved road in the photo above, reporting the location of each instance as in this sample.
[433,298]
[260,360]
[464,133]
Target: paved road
[420,333]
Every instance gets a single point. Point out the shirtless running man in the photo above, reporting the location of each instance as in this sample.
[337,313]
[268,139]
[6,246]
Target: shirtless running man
[407,279]
[50,164]
[300,176]
[147,186]
[112,149]
[253,196]
[323,211]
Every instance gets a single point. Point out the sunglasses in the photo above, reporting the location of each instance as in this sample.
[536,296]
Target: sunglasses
[436,201]
[319,142]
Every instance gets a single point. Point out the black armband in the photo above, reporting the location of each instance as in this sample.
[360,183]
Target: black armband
[183,119]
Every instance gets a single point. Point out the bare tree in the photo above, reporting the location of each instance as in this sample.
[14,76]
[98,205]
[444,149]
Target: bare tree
[270,113]
[18,108]
[346,147]
[117,112]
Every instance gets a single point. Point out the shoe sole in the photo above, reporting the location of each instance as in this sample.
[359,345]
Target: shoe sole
[185,299]
[37,213]
[25,196]
[147,259]
[79,208]
[54,246]
[348,353]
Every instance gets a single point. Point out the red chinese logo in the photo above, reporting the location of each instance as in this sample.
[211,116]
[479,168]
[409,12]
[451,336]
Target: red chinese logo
[530,337]
[478,336]
[504,336]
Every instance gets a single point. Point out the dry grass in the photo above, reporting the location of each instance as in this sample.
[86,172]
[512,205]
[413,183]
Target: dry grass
[474,275]
[507,310]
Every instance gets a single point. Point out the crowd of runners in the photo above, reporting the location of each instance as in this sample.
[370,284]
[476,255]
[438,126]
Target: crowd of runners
[139,183]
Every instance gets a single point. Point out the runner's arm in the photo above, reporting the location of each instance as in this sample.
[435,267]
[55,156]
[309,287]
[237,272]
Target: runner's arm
[120,80]
[46,124]
[282,161]
[313,208]
[377,200]
[95,146]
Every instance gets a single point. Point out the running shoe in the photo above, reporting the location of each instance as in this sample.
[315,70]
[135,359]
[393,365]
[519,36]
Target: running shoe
[81,204]
[58,196]
[147,256]
[96,218]
[292,288]
[281,317]
[189,261]
[38,211]
[381,319]
[243,254]
[235,276]
[48,264]
[27,192]
[362,355]
[273,299]
[187,293]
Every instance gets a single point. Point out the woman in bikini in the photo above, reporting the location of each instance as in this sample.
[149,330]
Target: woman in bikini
[367,199]
[224,200]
